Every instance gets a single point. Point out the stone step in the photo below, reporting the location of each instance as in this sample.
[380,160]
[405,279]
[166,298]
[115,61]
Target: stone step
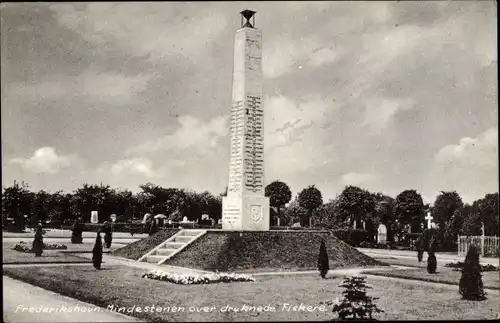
[154,258]
[174,245]
[182,239]
[190,232]
[165,251]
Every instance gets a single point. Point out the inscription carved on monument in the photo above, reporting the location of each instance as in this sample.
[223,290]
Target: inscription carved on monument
[245,207]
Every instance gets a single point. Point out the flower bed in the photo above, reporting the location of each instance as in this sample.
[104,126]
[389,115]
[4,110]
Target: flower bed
[197,279]
[25,247]
[458,266]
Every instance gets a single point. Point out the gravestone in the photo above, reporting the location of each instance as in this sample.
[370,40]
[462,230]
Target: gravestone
[205,220]
[429,220]
[94,218]
[185,220]
[245,207]
[382,234]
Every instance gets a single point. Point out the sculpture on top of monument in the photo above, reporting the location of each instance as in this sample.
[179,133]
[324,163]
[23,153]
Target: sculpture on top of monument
[247,14]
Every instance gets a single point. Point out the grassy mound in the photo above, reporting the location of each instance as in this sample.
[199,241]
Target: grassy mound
[137,249]
[233,251]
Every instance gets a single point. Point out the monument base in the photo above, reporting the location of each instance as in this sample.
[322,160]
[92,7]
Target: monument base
[245,213]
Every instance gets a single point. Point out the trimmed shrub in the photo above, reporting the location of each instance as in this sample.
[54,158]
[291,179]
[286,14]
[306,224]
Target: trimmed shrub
[431,263]
[471,283]
[323,263]
[97,252]
[355,304]
[77,230]
[38,242]
[108,237]
[420,255]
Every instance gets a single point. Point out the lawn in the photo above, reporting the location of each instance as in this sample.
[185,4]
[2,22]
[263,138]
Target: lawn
[49,256]
[444,275]
[124,287]
[408,262]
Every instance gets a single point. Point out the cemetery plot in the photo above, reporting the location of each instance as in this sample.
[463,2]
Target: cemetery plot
[123,287]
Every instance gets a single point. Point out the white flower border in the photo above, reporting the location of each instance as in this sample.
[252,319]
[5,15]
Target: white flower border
[211,278]
[25,247]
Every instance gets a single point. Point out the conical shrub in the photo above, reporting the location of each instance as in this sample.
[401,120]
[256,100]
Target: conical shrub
[431,263]
[38,242]
[97,252]
[323,263]
[108,236]
[471,282]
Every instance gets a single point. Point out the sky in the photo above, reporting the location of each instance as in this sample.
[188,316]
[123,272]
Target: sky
[387,96]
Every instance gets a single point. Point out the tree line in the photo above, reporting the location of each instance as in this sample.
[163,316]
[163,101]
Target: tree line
[353,207]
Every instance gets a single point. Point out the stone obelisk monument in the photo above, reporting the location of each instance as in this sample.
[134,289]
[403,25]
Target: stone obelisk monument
[246,207]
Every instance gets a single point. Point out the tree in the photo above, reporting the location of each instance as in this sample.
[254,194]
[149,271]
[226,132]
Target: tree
[472,225]
[279,194]
[310,198]
[384,212]
[97,252]
[471,283]
[323,263]
[355,204]
[89,198]
[488,209]
[445,206]
[293,213]
[16,202]
[327,216]
[38,241]
[409,210]
[452,230]
[355,304]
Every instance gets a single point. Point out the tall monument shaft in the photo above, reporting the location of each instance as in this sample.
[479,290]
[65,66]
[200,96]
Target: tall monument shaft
[245,207]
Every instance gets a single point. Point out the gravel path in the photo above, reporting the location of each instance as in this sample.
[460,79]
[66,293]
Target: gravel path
[23,302]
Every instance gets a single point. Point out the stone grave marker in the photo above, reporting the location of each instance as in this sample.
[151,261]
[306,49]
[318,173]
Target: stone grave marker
[382,234]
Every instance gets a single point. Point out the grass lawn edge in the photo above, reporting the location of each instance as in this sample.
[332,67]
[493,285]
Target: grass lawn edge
[436,281]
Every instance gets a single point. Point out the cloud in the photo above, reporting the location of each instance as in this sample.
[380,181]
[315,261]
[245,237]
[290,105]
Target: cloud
[135,166]
[356,179]
[46,160]
[296,134]
[481,151]
[193,133]
[108,87]
[153,31]
[380,111]
[283,56]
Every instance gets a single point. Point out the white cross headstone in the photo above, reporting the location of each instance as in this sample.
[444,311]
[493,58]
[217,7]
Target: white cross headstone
[429,219]
[382,234]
